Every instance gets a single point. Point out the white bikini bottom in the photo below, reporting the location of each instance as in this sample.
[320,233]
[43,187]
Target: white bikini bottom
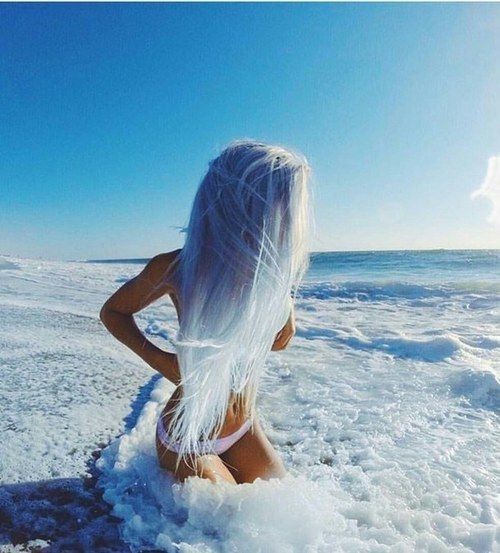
[217,446]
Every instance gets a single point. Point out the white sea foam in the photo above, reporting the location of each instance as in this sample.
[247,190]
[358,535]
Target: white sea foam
[290,515]
[384,409]
[480,388]
[354,497]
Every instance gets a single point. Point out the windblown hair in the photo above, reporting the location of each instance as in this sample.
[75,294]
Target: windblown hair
[245,253]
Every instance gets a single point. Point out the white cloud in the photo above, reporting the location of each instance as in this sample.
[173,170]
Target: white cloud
[491,189]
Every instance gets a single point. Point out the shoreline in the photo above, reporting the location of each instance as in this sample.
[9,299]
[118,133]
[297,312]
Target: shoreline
[60,514]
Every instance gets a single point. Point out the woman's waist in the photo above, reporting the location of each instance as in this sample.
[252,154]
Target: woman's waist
[235,416]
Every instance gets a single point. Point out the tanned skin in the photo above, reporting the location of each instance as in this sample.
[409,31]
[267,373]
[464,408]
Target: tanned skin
[250,457]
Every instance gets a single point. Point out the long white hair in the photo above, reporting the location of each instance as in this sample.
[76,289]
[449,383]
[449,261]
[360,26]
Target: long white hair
[245,253]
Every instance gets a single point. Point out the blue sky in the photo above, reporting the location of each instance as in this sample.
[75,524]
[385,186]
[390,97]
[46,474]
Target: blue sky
[110,113]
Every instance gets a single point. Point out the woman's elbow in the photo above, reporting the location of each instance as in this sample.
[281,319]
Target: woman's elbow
[104,315]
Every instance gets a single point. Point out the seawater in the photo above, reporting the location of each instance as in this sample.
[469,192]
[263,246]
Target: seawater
[384,409]
[425,266]
[410,265]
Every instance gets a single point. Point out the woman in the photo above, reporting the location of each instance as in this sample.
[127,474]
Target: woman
[232,285]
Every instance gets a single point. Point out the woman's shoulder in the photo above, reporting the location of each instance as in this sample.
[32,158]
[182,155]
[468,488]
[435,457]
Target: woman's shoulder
[164,260]
[159,266]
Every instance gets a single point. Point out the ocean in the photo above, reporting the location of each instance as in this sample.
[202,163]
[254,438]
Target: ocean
[384,409]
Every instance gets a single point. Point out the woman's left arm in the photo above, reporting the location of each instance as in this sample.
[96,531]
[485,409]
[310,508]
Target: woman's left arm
[117,315]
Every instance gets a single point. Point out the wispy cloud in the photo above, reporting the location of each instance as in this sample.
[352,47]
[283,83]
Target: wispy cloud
[491,189]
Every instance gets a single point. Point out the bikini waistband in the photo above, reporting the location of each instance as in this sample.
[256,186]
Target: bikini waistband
[217,445]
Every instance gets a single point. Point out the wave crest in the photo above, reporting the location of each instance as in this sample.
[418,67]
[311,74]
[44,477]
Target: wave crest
[480,388]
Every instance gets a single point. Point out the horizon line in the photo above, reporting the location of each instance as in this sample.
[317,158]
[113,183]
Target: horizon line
[125,259]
